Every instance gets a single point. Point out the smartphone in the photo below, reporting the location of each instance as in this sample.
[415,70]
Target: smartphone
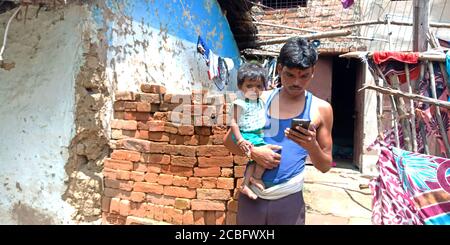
[304,123]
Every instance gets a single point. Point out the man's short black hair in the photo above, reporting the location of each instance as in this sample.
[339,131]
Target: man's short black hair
[298,53]
[251,71]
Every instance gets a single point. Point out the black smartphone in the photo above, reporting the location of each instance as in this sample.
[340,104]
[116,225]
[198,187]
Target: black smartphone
[304,123]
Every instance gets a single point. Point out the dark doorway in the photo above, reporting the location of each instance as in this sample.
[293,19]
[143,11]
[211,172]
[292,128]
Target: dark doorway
[343,102]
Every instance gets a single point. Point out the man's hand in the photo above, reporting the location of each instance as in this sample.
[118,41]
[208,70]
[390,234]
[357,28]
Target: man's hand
[306,138]
[265,156]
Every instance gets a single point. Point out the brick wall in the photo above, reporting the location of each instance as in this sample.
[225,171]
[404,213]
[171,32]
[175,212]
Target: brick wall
[169,163]
[319,15]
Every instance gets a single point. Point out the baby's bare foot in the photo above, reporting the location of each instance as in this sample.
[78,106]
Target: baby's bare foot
[258,183]
[247,191]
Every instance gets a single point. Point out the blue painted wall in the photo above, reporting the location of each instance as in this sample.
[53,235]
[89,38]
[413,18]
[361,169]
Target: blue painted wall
[167,24]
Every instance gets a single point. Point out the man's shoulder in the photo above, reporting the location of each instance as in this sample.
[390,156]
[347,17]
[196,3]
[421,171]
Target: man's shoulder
[322,105]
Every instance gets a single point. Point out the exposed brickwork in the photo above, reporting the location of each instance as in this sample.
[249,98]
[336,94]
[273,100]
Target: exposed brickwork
[169,163]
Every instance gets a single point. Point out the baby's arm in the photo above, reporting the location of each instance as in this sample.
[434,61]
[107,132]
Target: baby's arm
[243,144]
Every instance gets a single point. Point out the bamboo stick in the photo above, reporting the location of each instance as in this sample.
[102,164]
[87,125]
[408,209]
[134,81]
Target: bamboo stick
[326,34]
[392,22]
[402,114]
[435,102]
[423,133]
[438,111]
[422,56]
[285,27]
[411,110]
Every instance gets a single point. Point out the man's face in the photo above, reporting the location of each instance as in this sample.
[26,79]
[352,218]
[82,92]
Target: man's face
[295,80]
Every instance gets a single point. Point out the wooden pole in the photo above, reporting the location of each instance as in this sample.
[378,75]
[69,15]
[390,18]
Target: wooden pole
[438,110]
[393,22]
[401,109]
[421,10]
[411,110]
[435,102]
[284,27]
[326,34]
[440,57]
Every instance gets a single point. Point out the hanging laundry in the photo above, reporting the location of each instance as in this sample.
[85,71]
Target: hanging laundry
[447,61]
[218,67]
[394,67]
[347,3]
[411,188]
[405,57]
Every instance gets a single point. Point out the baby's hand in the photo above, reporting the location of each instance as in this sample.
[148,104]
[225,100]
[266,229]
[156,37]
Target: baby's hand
[245,146]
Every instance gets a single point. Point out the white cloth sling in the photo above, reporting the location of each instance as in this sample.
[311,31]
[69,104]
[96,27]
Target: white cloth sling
[275,192]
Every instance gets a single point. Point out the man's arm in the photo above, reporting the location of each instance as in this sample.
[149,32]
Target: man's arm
[318,142]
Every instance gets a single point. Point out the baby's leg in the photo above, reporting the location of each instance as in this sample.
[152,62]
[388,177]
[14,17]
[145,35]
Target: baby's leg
[257,175]
[245,189]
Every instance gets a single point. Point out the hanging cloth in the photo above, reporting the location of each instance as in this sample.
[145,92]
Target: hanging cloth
[347,3]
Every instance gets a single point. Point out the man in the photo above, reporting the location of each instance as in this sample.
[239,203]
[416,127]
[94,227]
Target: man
[282,200]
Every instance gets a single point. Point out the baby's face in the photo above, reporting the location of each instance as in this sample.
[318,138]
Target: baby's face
[252,89]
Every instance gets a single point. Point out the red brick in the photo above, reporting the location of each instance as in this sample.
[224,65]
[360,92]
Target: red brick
[159,136]
[176,170]
[231,218]
[210,218]
[148,97]
[207,205]
[165,179]
[121,194]
[186,130]
[131,220]
[155,158]
[215,99]
[138,116]
[137,196]
[157,89]
[158,212]
[199,217]
[142,126]
[202,131]
[207,172]
[106,203]
[123,124]
[176,139]
[219,130]
[118,164]
[124,95]
[142,134]
[119,184]
[140,167]
[140,210]
[180,181]
[220,218]
[161,200]
[119,115]
[183,161]
[126,155]
[225,183]
[239,182]
[119,106]
[226,172]
[137,176]
[124,207]
[212,150]
[188,218]
[181,150]
[240,160]
[179,191]
[109,173]
[123,175]
[191,140]
[156,147]
[213,194]
[178,98]
[239,171]
[118,134]
[154,168]
[115,205]
[232,205]
[161,116]
[151,177]
[209,182]
[115,219]
[182,203]
[217,139]
[156,126]
[130,106]
[203,140]
[195,182]
[170,129]
[174,116]
[215,161]
[135,145]
[148,187]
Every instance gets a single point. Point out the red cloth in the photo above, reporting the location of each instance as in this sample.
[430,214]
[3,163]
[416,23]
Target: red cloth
[405,57]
